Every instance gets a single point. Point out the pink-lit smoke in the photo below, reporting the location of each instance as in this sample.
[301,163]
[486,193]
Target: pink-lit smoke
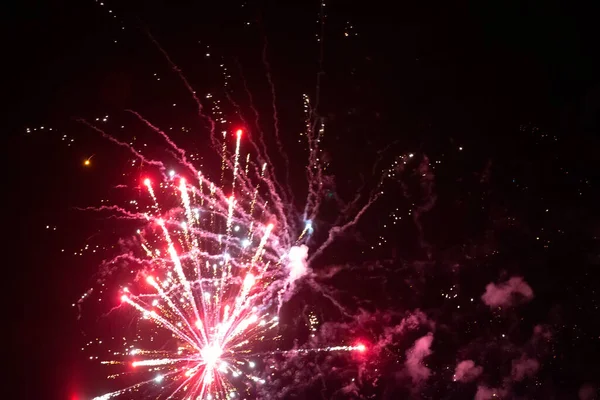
[524,367]
[588,392]
[488,393]
[508,293]
[414,359]
[467,371]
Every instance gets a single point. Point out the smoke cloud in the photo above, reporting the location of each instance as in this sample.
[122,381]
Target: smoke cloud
[588,392]
[414,359]
[524,367]
[487,393]
[297,266]
[509,293]
[467,371]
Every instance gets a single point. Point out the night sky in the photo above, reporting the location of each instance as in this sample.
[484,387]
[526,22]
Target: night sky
[498,101]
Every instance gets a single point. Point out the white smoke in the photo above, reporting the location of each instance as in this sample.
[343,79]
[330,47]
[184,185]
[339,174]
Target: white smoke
[297,265]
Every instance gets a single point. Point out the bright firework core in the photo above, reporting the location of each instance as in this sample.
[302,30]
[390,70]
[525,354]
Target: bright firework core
[211,355]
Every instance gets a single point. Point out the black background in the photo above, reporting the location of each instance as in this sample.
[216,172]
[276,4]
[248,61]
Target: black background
[515,83]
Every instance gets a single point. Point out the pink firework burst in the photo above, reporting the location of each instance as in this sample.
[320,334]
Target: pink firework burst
[218,266]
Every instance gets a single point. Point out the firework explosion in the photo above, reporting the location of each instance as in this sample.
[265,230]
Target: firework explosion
[217,267]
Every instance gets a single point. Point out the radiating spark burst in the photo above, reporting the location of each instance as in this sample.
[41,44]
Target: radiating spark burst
[216,291]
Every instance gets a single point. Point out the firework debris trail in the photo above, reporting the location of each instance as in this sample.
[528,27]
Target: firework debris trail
[263,154]
[136,153]
[280,147]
